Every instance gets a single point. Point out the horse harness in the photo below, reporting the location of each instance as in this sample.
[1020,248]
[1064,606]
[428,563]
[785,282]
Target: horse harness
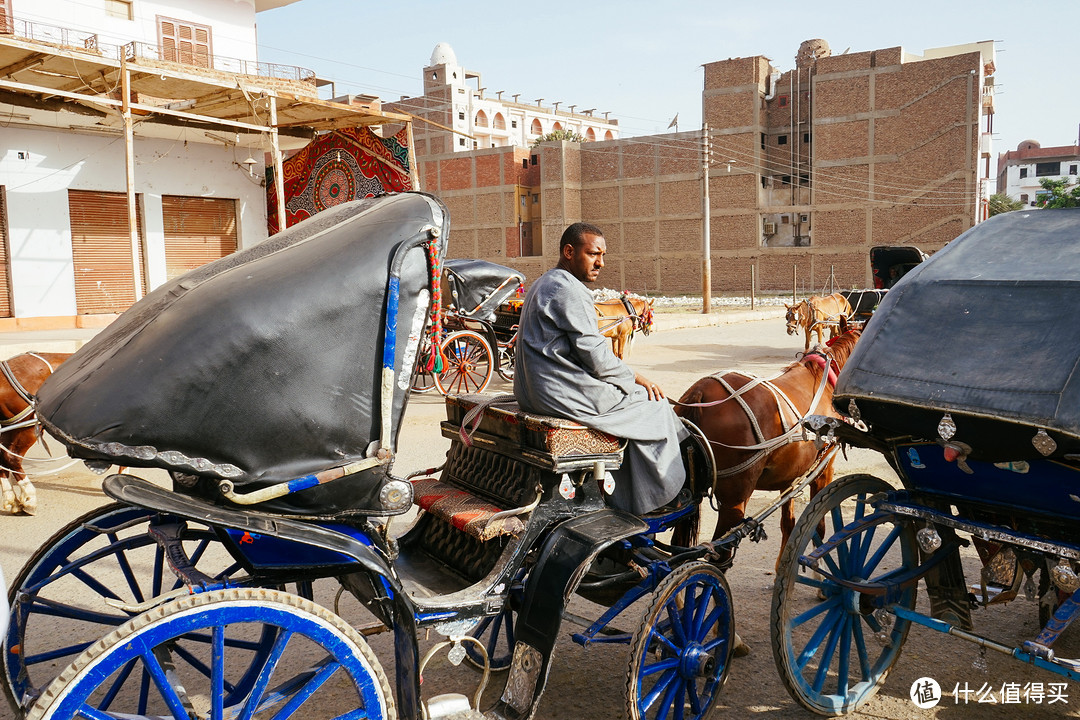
[640,322]
[23,418]
[764,445]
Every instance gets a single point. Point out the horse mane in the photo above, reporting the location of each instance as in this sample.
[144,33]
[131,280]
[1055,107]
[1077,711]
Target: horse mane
[839,349]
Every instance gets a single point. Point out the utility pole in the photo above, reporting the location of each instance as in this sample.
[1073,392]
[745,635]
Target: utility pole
[706,262]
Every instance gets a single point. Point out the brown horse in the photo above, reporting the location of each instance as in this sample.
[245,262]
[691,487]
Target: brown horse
[739,414]
[22,377]
[817,313]
[620,318]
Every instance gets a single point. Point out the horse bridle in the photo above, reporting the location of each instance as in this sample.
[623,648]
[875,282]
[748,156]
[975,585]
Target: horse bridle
[23,417]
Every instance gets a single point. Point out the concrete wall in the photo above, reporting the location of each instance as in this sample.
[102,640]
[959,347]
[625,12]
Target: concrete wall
[36,185]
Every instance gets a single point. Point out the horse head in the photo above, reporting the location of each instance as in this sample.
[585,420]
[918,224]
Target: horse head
[645,316]
[794,312]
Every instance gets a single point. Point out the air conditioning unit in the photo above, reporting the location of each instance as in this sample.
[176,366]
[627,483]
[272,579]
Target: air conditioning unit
[769,228]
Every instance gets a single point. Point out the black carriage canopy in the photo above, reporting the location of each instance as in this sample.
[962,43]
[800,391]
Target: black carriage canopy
[477,287]
[981,335]
[267,365]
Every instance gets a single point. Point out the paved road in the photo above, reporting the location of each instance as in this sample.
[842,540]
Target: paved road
[587,682]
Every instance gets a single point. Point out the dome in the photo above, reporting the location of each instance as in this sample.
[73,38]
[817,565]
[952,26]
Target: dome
[810,51]
[443,54]
[1029,145]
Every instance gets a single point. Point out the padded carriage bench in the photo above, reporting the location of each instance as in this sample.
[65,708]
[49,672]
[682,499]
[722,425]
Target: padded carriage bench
[510,457]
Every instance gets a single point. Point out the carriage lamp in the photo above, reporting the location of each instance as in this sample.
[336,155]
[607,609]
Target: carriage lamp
[928,540]
[1064,577]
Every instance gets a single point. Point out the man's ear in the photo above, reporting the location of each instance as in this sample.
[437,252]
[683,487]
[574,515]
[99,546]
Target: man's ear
[567,252]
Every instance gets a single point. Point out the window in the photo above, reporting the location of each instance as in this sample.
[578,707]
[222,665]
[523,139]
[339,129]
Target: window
[804,179]
[762,141]
[781,139]
[1023,173]
[532,159]
[785,179]
[1046,169]
[461,115]
[806,138]
[536,198]
[461,142]
[1072,169]
[524,162]
[119,9]
[1024,198]
[513,123]
[184,42]
[782,101]
[536,128]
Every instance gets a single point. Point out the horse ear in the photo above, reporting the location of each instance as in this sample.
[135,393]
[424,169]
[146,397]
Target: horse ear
[843,324]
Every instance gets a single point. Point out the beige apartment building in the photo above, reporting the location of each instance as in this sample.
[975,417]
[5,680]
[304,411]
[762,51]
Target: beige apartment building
[808,169]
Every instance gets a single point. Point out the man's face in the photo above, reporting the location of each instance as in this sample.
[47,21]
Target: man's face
[585,262]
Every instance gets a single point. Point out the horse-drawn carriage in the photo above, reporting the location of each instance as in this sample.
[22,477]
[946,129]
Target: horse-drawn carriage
[483,305]
[279,440]
[981,423]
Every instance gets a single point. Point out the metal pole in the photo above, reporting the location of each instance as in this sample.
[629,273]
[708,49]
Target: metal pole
[706,261]
[129,171]
[275,155]
[794,282]
[753,286]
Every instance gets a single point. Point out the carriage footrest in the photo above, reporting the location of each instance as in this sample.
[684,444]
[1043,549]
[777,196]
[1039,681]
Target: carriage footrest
[464,511]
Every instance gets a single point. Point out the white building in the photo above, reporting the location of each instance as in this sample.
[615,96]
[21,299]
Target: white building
[465,115]
[135,135]
[1019,171]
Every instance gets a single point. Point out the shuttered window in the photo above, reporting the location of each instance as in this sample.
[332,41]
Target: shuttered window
[197,231]
[5,264]
[184,42]
[7,22]
[101,251]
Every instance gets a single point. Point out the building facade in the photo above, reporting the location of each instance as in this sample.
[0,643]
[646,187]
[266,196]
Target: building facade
[462,115]
[807,170]
[1019,171]
[136,134]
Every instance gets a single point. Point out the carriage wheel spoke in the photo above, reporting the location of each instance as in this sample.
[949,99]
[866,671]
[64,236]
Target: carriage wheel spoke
[814,643]
[830,649]
[860,646]
[871,565]
[814,611]
[842,679]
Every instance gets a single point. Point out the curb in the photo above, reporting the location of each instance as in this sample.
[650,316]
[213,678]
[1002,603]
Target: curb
[677,321]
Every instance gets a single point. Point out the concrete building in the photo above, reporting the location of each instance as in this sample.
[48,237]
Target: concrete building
[1019,171]
[135,137]
[463,115]
[808,169]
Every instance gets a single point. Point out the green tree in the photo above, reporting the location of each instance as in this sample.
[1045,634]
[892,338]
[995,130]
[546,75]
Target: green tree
[1002,203]
[567,135]
[1063,193]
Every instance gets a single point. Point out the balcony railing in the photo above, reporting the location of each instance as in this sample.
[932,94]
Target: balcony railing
[82,40]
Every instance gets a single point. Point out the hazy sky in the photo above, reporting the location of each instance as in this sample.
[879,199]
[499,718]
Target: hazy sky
[642,60]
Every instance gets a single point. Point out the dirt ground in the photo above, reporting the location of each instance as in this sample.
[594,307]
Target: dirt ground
[589,682]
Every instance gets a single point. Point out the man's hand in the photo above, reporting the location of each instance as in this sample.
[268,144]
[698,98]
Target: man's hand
[654,391]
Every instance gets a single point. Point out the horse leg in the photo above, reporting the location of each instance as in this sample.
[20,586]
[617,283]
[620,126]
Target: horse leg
[7,495]
[25,493]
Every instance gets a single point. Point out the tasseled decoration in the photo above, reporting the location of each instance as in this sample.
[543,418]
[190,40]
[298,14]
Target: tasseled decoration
[436,362]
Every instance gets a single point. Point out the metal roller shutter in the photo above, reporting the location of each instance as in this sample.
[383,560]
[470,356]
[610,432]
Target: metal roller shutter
[5,264]
[197,231]
[101,249]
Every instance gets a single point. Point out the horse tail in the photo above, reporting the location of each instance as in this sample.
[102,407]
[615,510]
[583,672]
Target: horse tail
[684,533]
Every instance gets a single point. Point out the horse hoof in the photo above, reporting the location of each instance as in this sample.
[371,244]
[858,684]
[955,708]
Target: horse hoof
[26,498]
[741,648]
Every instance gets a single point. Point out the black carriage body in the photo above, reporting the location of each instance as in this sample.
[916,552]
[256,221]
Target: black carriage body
[478,288]
[267,365]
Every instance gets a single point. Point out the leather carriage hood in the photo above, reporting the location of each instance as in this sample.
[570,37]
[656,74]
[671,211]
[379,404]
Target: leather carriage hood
[982,331]
[266,365]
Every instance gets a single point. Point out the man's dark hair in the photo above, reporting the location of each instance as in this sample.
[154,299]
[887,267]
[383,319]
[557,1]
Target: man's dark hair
[574,235]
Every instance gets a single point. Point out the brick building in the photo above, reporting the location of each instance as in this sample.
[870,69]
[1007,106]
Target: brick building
[808,170]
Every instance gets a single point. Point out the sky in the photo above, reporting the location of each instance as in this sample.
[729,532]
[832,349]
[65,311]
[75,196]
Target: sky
[642,60]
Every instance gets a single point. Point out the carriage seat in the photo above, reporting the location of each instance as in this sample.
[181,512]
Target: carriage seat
[503,460]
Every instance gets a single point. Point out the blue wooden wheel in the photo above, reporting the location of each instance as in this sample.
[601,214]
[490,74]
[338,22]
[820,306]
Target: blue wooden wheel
[58,599]
[189,653]
[833,645]
[681,652]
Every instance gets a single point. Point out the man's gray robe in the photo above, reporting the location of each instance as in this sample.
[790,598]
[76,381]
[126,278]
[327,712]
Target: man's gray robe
[566,368]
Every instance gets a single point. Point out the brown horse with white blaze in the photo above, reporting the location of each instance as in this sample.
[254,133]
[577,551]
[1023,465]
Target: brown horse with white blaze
[620,318]
[22,376]
[752,426]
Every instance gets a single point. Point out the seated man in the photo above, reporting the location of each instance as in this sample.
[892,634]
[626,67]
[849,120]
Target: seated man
[566,368]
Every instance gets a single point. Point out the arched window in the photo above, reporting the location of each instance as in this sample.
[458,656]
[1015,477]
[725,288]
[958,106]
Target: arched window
[481,119]
[536,128]
[590,135]
[556,126]
[608,135]
[499,123]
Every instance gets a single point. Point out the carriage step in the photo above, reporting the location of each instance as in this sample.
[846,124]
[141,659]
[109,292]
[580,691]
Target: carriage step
[452,706]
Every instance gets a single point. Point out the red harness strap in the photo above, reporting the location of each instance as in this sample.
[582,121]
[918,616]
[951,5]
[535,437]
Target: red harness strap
[819,360]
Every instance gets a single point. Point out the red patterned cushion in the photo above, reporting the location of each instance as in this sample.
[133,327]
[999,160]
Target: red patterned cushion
[464,511]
